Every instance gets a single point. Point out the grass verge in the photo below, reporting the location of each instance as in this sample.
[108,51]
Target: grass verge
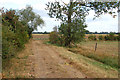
[20,65]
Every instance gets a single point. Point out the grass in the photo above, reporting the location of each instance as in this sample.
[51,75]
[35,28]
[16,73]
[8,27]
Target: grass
[88,66]
[48,42]
[18,66]
[107,52]
[85,59]
[40,39]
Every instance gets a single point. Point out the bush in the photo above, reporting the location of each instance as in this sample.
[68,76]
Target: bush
[118,37]
[53,37]
[92,37]
[56,38]
[101,37]
[14,35]
[106,37]
[111,36]
[115,38]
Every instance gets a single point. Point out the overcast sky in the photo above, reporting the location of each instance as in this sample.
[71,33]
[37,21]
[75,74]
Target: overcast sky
[105,23]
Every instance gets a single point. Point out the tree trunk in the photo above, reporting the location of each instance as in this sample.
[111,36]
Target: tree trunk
[68,38]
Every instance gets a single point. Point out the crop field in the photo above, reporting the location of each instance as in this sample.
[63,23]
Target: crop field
[41,36]
[97,35]
[106,51]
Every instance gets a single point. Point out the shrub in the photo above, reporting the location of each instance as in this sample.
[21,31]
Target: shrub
[92,37]
[14,35]
[57,38]
[111,36]
[8,43]
[101,37]
[106,37]
[115,38]
[118,37]
[53,37]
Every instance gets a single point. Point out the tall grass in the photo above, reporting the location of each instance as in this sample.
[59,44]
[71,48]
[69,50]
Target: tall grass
[104,54]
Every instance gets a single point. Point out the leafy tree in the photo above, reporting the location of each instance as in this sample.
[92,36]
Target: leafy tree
[30,19]
[73,16]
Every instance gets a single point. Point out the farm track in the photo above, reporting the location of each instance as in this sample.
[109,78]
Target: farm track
[49,64]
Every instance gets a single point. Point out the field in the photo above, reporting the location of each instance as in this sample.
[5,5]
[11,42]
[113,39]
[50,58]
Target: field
[40,59]
[106,51]
[97,35]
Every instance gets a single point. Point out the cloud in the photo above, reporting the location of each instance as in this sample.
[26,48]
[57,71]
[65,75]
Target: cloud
[14,2]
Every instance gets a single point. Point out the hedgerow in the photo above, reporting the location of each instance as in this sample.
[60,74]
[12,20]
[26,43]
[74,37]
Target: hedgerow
[14,35]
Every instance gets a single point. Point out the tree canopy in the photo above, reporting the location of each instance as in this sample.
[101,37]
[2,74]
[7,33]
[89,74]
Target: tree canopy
[30,19]
[73,16]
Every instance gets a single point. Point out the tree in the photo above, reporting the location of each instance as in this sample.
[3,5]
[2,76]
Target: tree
[73,16]
[30,19]
[55,28]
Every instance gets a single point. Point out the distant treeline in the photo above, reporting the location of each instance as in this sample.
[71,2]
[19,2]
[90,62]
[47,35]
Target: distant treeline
[41,32]
[86,32]
[101,32]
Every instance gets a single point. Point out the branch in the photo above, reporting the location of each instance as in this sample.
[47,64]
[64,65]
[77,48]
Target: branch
[64,2]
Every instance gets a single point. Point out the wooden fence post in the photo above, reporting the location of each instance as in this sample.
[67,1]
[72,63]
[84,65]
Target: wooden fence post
[95,46]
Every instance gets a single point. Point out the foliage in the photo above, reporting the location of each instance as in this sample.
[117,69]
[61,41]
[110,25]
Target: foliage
[17,28]
[30,19]
[118,37]
[111,37]
[106,37]
[73,16]
[53,37]
[56,38]
[92,37]
[14,35]
[101,37]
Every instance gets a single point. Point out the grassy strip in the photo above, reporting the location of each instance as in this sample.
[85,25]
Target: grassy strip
[88,65]
[40,38]
[19,65]
[105,59]
[111,61]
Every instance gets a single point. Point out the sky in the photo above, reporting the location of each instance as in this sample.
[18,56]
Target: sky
[105,23]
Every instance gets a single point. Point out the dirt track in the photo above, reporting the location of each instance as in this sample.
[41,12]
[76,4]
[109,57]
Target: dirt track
[49,64]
